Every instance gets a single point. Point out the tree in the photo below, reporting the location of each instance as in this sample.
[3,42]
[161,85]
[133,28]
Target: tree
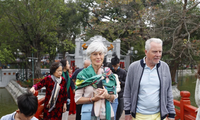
[69,27]
[124,20]
[175,22]
[32,26]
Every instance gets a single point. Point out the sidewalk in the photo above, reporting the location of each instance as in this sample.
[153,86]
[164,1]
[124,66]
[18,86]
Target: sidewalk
[73,117]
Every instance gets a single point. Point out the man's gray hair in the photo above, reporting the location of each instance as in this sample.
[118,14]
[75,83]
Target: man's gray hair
[96,46]
[148,42]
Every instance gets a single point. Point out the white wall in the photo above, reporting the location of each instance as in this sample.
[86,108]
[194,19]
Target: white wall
[6,75]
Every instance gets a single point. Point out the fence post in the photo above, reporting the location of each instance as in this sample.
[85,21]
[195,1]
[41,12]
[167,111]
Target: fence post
[184,100]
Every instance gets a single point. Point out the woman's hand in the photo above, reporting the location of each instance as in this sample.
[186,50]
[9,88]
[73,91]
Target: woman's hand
[103,93]
[32,90]
[64,107]
[97,95]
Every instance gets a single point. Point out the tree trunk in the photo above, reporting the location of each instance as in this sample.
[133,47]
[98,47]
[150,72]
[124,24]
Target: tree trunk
[173,67]
[63,55]
[37,68]
[37,71]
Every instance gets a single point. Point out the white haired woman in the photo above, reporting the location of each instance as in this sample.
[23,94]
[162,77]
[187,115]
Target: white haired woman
[95,89]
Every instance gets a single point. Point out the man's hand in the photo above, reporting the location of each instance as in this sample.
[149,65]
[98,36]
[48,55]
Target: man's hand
[128,117]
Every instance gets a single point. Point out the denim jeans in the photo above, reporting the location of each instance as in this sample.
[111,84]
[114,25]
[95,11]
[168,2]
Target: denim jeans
[114,106]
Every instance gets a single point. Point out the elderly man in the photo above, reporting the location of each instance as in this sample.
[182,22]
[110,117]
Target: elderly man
[148,91]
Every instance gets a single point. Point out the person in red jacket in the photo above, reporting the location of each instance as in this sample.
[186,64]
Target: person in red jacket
[56,93]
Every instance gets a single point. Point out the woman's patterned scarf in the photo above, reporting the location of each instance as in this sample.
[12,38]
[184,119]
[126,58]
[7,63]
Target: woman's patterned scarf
[54,94]
[88,77]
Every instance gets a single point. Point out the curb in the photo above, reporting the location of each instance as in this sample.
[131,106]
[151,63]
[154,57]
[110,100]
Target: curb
[15,89]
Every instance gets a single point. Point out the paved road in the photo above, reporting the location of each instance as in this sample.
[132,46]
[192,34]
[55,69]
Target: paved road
[73,117]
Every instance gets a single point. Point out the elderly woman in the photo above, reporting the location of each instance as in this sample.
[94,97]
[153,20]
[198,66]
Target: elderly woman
[56,93]
[95,89]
